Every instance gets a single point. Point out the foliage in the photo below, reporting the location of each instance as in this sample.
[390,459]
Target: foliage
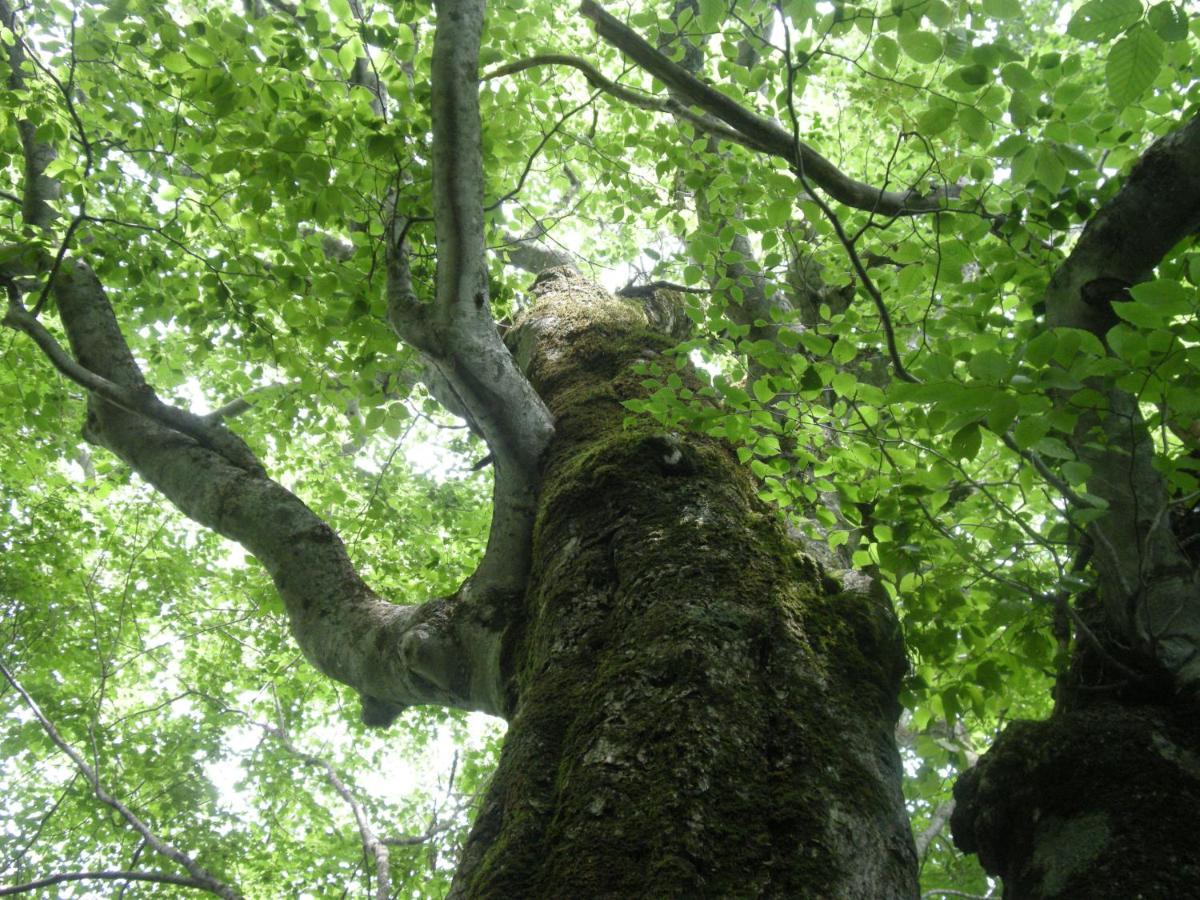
[229,188]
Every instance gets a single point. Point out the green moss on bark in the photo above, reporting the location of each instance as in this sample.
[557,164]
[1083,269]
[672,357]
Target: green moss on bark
[692,716]
[1088,803]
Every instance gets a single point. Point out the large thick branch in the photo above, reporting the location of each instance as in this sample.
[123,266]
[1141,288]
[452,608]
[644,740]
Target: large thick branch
[1150,590]
[443,652]
[395,656]
[756,130]
[456,332]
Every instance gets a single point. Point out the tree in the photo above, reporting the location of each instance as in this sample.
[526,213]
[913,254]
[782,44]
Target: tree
[905,360]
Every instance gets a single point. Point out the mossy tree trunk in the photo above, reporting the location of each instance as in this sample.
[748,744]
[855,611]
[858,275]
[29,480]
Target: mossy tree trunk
[695,708]
[1100,799]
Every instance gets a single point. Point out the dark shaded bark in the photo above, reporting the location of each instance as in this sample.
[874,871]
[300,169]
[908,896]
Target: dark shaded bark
[1099,800]
[1149,589]
[1096,802]
[695,709]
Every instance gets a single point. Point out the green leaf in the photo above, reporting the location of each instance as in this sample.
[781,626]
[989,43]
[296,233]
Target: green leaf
[975,125]
[921,46]
[1169,21]
[966,442]
[1076,472]
[1029,431]
[989,365]
[936,120]
[884,49]
[175,62]
[1167,295]
[969,78]
[1133,64]
[1003,413]
[350,52]
[225,161]
[1142,315]
[779,212]
[1053,447]
[1017,77]
[1050,169]
[1041,349]
[1002,9]
[1102,20]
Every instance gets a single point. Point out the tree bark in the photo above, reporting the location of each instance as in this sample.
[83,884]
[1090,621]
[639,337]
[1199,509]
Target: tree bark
[1093,802]
[1089,803]
[695,708]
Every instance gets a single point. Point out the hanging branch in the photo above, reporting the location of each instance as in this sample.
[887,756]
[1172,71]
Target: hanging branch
[201,878]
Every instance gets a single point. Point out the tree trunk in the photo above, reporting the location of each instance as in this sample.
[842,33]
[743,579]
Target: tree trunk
[695,708]
[1098,800]
[1095,801]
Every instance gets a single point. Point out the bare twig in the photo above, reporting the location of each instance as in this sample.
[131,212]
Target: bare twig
[49,881]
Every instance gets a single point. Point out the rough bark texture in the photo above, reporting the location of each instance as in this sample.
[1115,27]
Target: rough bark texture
[1098,802]
[695,710]
[1092,802]
[1149,589]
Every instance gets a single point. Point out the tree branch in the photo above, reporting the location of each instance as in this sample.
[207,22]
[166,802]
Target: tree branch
[395,656]
[457,333]
[937,823]
[756,131]
[443,652]
[40,192]
[1147,584]
[200,877]
[373,845]
[51,880]
[596,79]
[139,399]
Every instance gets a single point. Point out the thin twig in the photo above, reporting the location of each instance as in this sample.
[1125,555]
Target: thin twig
[201,877]
[158,877]
[885,317]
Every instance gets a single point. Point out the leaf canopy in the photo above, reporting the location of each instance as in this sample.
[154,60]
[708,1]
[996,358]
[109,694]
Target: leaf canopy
[229,180]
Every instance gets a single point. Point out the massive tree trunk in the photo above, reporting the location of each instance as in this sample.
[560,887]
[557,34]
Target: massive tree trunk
[1090,802]
[695,709]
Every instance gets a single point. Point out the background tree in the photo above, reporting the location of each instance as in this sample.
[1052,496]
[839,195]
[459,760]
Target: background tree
[935,287]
